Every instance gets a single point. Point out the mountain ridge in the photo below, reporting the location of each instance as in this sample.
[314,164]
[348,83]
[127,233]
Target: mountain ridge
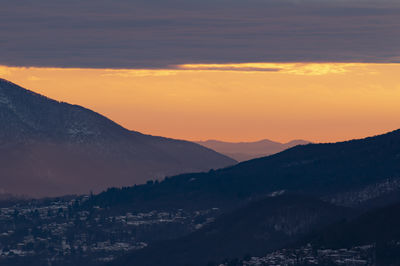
[243,151]
[65,147]
[333,171]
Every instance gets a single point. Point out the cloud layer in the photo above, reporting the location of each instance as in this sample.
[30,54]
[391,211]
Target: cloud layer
[159,34]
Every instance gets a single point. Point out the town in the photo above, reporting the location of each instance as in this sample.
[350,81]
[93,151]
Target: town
[309,255]
[59,231]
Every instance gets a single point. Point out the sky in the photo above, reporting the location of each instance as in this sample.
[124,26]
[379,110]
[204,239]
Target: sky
[223,69]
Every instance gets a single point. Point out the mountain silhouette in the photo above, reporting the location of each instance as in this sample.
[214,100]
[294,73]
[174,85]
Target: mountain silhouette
[348,173]
[304,192]
[243,151]
[50,148]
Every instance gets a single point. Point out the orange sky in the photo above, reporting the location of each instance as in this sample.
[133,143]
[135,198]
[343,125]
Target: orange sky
[233,102]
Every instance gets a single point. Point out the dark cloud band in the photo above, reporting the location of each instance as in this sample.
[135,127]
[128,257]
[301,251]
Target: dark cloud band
[158,34]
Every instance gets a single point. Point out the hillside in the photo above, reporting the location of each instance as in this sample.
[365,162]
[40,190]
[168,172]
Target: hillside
[377,226]
[50,148]
[255,229]
[243,151]
[372,238]
[348,173]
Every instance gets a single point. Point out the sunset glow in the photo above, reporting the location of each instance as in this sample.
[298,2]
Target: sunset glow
[232,102]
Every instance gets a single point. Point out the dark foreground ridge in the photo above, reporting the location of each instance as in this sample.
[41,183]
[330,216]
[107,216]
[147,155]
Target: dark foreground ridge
[349,173]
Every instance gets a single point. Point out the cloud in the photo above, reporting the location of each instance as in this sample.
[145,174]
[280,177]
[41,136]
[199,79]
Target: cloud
[320,69]
[129,73]
[245,67]
[309,69]
[155,34]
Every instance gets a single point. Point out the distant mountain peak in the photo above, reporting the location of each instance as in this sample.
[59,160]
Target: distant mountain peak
[243,151]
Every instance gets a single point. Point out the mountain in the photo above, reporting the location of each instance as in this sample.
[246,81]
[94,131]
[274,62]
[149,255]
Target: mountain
[243,151]
[50,148]
[255,229]
[349,173]
[362,173]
